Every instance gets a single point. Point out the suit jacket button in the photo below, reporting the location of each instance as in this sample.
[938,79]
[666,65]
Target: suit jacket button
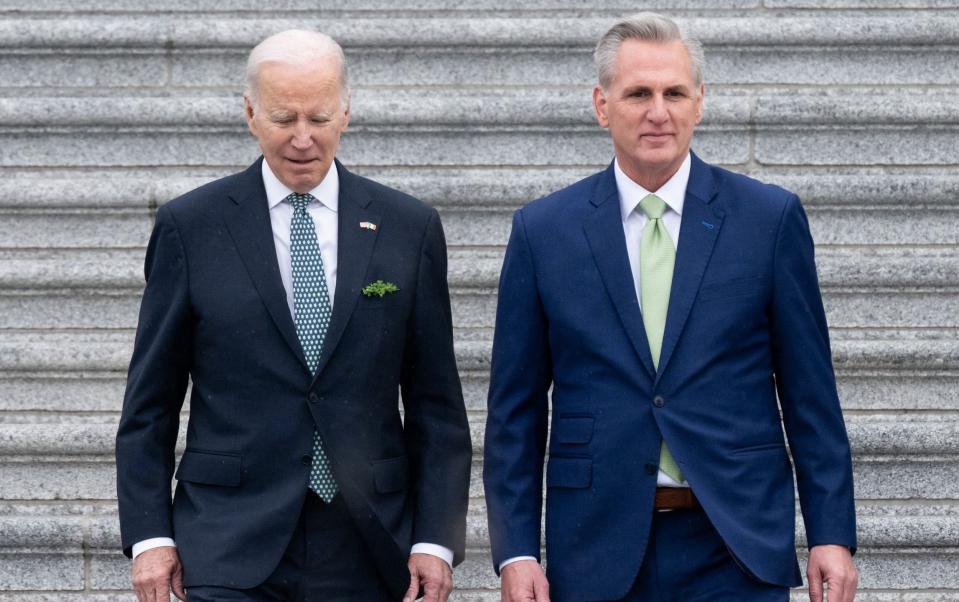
[658,401]
[314,398]
[652,469]
[307,459]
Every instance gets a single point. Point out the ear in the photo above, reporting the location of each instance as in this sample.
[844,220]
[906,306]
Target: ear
[248,113]
[599,105]
[699,103]
[346,111]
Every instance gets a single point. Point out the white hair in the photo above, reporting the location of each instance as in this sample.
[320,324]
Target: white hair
[295,47]
[649,27]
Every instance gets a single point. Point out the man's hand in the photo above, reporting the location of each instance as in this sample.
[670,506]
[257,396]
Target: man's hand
[433,574]
[831,565]
[523,580]
[156,573]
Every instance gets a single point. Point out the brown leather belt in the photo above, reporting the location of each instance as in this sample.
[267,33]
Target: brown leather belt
[675,498]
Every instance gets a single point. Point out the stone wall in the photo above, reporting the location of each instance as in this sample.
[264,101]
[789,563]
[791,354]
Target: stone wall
[109,108]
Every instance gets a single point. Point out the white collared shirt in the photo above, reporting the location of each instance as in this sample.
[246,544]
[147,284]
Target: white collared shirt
[673,192]
[324,214]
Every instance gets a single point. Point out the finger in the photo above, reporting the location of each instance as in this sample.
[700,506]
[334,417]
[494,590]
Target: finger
[414,587]
[815,586]
[177,583]
[162,593]
[541,589]
[835,591]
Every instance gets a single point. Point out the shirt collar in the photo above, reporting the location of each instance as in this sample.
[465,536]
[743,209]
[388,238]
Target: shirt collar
[326,192]
[673,191]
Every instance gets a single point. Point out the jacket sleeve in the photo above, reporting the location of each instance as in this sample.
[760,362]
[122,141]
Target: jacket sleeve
[435,423]
[806,386]
[516,422]
[156,384]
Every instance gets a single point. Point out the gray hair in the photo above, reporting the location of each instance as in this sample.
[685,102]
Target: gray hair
[295,47]
[649,27]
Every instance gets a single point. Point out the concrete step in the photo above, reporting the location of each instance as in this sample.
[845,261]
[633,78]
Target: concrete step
[160,51]
[476,189]
[894,458]
[486,129]
[916,536]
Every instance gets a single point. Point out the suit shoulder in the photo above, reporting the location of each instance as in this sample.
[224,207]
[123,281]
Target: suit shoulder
[392,200]
[200,199]
[563,203]
[752,192]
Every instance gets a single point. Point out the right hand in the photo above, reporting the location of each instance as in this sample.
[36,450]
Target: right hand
[156,573]
[522,581]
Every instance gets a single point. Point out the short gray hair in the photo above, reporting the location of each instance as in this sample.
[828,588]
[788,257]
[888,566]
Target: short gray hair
[295,47]
[649,27]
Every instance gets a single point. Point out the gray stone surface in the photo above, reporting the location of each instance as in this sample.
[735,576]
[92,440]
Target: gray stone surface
[43,570]
[110,108]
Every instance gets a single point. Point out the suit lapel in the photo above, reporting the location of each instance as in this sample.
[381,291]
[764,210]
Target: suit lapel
[697,235]
[248,220]
[607,242]
[354,250]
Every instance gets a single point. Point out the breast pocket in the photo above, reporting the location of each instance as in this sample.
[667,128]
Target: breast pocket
[728,289]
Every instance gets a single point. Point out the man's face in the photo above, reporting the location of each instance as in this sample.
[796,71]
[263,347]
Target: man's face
[650,108]
[298,120]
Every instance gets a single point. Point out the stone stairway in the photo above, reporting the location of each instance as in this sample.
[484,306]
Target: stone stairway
[109,108]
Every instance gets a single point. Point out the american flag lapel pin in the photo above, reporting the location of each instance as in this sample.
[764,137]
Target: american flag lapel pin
[368,225]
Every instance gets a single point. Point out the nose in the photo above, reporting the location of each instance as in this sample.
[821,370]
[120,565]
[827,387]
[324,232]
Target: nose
[302,138]
[657,112]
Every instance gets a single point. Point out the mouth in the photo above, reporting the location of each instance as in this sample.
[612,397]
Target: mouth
[657,137]
[301,161]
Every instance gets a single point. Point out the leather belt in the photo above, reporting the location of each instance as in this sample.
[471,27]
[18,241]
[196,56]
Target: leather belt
[675,498]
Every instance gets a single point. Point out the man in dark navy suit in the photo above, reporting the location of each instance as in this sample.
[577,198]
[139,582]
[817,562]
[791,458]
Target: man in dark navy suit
[301,301]
[674,309]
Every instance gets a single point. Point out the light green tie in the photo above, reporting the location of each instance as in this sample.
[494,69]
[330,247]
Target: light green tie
[656,259]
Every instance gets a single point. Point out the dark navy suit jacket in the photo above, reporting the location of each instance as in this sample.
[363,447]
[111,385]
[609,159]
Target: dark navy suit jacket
[745,321]
[215,311]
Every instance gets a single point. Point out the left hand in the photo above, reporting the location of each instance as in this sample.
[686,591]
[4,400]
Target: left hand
[832,565]
[433,574]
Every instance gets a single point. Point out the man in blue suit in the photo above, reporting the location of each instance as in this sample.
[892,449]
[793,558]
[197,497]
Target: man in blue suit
[666,302]
[300,301]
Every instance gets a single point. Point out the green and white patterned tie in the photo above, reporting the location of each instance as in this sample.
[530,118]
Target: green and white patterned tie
[311,315]
[657,256]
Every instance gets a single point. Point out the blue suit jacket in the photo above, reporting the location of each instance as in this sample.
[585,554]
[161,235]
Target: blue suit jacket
[745,321]
[215,310]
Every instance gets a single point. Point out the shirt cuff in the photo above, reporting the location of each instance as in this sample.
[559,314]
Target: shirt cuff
[434,550]
[514,559]
[154,542]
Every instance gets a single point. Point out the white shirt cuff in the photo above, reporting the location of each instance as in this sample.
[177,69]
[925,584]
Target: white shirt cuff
[434,550]
[514,559]
[154,542]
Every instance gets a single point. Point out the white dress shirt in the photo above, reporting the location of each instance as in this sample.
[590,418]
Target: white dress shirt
[673,192]
[324,214]
[630,194]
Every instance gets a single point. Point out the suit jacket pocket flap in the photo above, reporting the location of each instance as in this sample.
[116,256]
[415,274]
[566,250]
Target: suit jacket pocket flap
[737,287]
[391,474]
[573,473]
[210,468]
[573,430]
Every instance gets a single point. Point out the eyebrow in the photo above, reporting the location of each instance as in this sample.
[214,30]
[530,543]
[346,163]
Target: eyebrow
[677,88]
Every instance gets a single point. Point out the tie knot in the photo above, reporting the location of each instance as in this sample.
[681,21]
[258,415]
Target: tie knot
[300,201]
[653,206]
